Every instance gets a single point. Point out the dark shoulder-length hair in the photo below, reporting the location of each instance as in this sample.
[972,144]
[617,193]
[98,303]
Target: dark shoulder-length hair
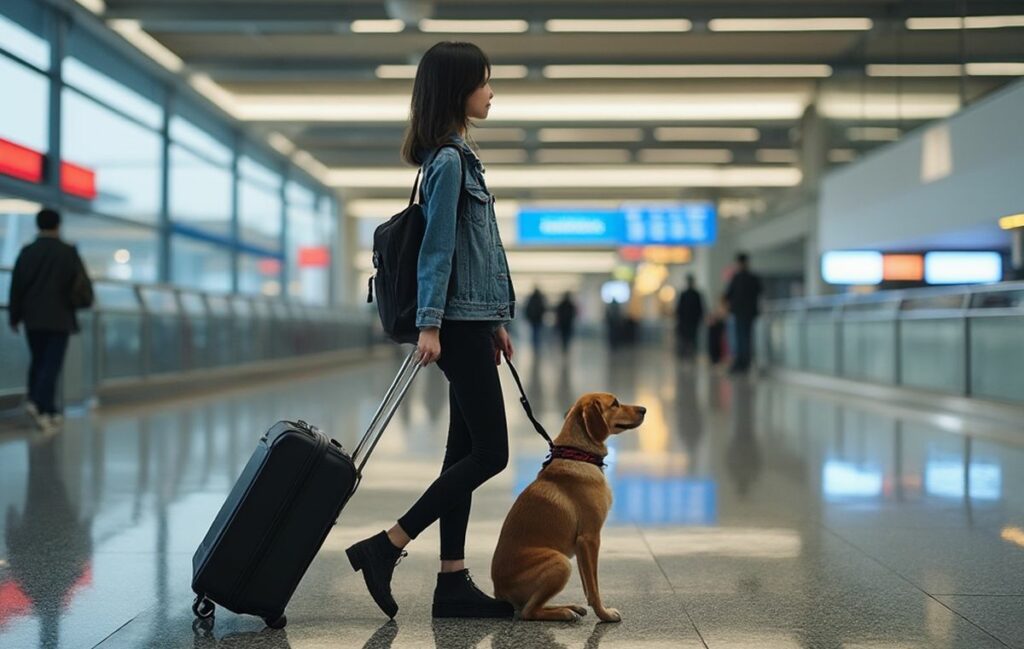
[447,75]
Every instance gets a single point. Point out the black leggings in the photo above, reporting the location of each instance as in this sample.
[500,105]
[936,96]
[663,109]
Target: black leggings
[477,446]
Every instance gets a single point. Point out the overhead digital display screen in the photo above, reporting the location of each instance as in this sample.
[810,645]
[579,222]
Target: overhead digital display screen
[691,223]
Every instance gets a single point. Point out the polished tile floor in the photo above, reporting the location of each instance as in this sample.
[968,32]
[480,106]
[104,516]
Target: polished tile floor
[747,514]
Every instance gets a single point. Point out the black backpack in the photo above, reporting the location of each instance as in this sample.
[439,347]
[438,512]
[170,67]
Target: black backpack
[396,251]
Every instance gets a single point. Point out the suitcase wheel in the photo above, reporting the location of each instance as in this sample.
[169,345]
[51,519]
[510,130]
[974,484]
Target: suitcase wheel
[203,608]
[276,622]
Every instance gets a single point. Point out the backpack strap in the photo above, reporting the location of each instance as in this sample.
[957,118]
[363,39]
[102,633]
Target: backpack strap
[417,188]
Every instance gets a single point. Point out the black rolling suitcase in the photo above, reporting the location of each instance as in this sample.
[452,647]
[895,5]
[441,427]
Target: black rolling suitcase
[280,511]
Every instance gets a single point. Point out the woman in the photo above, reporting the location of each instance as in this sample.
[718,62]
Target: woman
[465,298]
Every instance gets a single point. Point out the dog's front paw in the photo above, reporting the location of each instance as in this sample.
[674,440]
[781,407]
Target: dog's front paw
[609,615]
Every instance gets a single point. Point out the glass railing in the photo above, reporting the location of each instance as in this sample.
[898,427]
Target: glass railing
[138,332]
[958,341]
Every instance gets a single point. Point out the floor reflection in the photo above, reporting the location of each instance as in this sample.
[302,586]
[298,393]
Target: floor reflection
[769,512]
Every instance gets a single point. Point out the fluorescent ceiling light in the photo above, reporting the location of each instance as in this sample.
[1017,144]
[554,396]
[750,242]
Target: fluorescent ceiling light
[790,24]
[214,92]
[627,176]
[488,134]
[474,26]
[706,134]
[132,32]
[98,7]
[377,26]
[673,156]
[775,156]
[839,156]
[914,70]
[971,22]
[409,71]
[545,108]
[586,156]
[1007,222]
[625,26]
[18,206]
[312,166]
[281,143]
[872,134]
[995,69]
[698,71]
[590,135]
[879,106]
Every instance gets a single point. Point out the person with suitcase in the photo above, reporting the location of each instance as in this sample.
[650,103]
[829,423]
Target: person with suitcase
[464,299]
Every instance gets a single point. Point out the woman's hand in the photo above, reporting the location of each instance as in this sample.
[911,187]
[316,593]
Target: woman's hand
[429,345]
[502,343]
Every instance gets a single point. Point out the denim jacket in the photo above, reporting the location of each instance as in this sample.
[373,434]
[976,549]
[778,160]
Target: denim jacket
[462,272]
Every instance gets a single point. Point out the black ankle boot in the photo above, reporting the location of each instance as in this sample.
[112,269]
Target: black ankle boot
[377,558]
[457,596]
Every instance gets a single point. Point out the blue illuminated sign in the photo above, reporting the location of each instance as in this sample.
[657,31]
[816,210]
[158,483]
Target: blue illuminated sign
[684,224]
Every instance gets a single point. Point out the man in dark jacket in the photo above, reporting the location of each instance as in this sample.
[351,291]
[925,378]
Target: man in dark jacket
[743,296]
[48,284]
[689,315]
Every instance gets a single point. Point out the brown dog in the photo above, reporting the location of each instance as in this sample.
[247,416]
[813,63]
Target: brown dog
[560,515]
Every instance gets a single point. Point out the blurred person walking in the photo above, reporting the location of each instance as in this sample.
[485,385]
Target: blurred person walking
[48,284]
[716,331]
[536,308]
[743,296]
[689,315]
[565,319]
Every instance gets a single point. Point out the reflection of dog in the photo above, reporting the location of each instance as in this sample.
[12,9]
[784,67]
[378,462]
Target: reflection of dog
[560,515]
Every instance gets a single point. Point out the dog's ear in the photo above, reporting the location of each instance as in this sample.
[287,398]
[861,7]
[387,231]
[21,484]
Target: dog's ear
[594,424]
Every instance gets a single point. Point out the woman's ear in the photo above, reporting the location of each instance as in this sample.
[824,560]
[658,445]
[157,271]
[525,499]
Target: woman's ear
[594,424]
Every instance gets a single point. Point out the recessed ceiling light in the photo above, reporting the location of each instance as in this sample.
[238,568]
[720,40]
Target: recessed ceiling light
[706,134]
[625,26]
[409,71]
[873,134]
[971,22]
[611,176]
[282,144]
[474,26]
[776,156]
[789,24]
[913,70]
[677,156]
[699,71]
[543,108]
[995,69]
[377,26]
[590,134]
[132,32]
[584,156]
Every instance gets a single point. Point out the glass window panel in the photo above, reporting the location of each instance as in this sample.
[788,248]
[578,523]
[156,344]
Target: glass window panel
[113,249]
[113,93]
[116,296]
[17,228]
[124,156]
[24,121]
[187,133]
[259,275]
[21,32]
[309,256]
[299,196]
[200,192]
[200,265]
[259,173]
[159,300]
[259,215]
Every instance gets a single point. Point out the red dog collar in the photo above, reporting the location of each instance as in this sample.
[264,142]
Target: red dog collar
[573,453]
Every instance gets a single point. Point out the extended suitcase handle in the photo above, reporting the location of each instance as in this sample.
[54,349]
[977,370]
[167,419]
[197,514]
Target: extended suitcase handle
[386,410]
